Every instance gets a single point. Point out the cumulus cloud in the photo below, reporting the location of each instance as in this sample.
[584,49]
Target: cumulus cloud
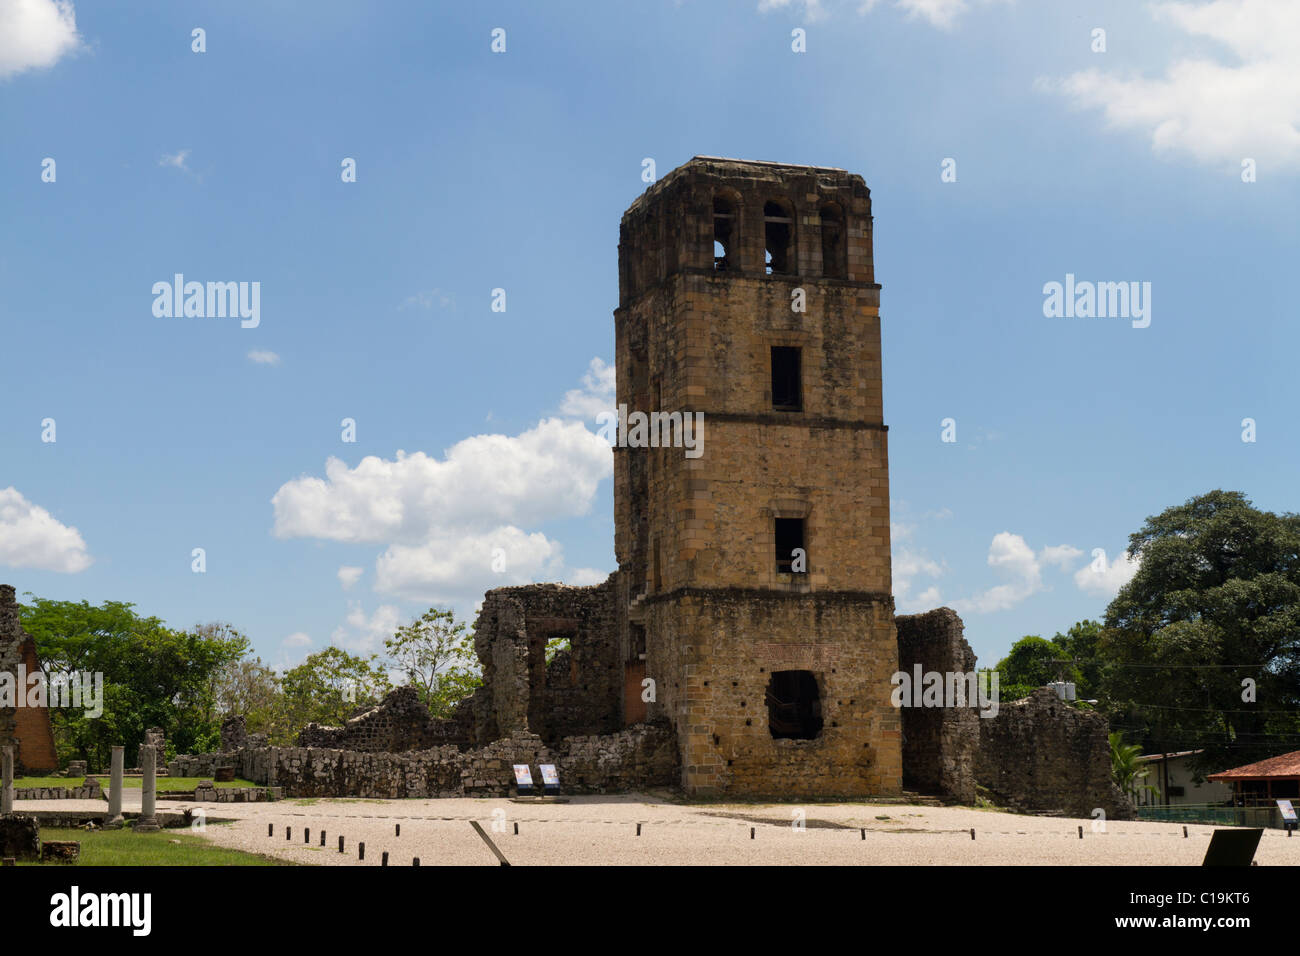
[297,639]
[1060,555]
[550,471]
[596,395]
[1102,578]
[1242,103]
[451,568]
[263,357]
[176,160]
[30,537]
[454,527]
[35,34]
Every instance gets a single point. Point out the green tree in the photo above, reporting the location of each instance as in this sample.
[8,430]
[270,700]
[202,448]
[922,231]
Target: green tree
[1031,664]
[1080,644]
[328,687]
[1213,610]
[1126,769]
[436,654]
[153,676]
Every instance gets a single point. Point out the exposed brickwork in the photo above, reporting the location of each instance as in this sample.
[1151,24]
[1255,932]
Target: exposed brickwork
[939,743]
[401,721]
[28,728]
[1040,755]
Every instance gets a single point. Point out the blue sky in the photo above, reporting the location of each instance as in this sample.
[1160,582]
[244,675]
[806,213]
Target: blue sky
[479,170]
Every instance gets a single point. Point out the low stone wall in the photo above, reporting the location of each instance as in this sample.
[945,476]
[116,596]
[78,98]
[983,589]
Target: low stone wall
[399,722]
[198,765]
[90,790]
[1040,755]
[640,757]
[223,794]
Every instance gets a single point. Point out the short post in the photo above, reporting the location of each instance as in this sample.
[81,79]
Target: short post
[288,833]
[383,861]
[7,779]
[516,829]
[115,820]
[148,822]
[340,844]
[1081,831]
[415,861]
[864,833]
[638,829]
[751,833]
[361,851]
[398,830]
[270,829]
[972,833]
[306,834]
[322,838]
[1184,832]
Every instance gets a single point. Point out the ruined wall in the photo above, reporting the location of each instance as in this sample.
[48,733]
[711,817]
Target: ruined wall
[939,743]
[719,650]
[26,727]
[401,721]
[579,693]
[1040,755]
[638,758]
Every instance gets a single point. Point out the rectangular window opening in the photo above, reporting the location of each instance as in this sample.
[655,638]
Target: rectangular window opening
[790,538]
[787,378]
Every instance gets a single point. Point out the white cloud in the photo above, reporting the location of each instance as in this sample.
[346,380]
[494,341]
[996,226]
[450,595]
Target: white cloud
[596,395]
[582,577]
[1061,555]
[364,634]
[263,357]
[1244,103]
[296,639]
[349,576]
[30,537]
[909,563]
[549,471]
[176,160]
[1104,579]
[458,568]
[35,34]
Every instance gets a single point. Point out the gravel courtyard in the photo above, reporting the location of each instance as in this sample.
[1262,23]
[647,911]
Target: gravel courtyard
[603,830]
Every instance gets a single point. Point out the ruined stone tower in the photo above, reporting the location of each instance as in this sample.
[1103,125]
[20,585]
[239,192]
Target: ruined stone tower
[756,577]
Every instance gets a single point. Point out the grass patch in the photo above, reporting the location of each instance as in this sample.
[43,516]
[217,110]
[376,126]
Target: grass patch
[128,783]
[164,848]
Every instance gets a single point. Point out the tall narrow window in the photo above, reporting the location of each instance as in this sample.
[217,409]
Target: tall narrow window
[787,382]
[833,264]
[778,237]
[789,540]
[724,224]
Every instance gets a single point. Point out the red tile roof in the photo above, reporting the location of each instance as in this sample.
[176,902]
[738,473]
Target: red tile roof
[1287,765]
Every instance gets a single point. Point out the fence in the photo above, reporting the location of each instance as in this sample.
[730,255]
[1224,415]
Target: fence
[1260,816]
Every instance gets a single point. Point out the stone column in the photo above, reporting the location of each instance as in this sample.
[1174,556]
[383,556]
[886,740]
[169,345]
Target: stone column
[7,779]
[115,794]
[148,822]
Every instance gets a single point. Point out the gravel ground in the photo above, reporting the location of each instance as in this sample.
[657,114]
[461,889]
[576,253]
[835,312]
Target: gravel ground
[602,830]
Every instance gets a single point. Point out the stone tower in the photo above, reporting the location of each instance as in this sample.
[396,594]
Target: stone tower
[756,576]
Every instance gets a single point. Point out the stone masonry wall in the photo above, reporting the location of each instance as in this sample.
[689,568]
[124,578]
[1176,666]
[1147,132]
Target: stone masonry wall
[639,757]
[939,743]
[399,722]
[27,727]
[1040,755]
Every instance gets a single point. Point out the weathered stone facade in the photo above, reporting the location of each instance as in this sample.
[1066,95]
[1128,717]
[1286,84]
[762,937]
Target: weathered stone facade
[637,758]
[20,837]
[580,692]
[793,438]
[399,722]
[939,743]
[1040,755]
[28,728]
